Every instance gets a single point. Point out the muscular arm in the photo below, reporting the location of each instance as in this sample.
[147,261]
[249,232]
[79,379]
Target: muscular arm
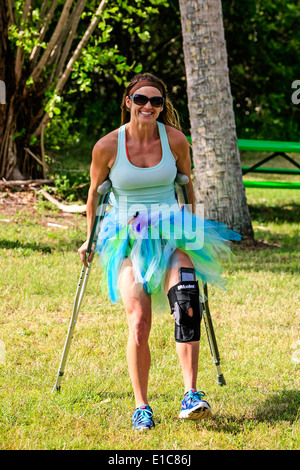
[103,155]
[98,173]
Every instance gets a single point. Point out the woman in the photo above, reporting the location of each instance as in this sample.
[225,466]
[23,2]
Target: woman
[143,243]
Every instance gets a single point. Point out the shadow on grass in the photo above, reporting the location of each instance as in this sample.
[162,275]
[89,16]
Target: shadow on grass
[272,251]
[284,213]
[267,256]
[10,245]
[280,406]
[72,245]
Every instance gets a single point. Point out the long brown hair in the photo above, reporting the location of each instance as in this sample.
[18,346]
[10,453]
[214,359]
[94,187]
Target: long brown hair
[168,115]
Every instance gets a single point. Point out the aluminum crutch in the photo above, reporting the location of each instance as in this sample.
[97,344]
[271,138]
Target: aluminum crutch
[181,181]
[103,191]
[212,338]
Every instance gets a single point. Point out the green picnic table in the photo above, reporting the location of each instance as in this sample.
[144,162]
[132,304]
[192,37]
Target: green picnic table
[276,148]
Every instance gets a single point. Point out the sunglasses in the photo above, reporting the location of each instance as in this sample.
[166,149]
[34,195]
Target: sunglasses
[141,100]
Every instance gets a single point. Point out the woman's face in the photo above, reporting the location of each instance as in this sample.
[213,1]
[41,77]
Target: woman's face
[144,113]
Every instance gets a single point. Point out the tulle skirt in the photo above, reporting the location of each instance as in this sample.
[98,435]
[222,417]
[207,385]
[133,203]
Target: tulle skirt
[150,240]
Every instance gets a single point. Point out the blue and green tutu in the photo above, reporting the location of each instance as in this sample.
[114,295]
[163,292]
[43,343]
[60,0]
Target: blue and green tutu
[150,240]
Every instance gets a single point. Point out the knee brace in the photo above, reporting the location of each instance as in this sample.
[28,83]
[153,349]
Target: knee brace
[181,297]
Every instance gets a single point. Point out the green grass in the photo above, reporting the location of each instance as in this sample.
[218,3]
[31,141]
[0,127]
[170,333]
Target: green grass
[256,322]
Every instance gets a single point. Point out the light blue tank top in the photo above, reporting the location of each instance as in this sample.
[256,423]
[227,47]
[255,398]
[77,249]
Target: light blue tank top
[143,186]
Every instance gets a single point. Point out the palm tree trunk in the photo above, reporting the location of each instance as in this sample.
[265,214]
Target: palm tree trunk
[217,168]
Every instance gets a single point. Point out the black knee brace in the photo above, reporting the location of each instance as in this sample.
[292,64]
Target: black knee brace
[182,296]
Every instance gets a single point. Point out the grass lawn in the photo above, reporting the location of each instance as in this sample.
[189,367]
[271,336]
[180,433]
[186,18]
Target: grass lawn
[256,322]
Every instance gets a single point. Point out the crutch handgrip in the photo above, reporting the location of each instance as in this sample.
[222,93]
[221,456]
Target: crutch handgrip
[104,187]
[181,179]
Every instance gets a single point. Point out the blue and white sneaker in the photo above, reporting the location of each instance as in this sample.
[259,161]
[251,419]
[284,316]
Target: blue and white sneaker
[193,407]
[142,418]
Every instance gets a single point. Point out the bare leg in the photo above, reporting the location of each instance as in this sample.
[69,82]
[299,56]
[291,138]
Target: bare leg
[138,309]
[188,353]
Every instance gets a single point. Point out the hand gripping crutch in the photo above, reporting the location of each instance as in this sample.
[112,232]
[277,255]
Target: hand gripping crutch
[181,181]
[103,191]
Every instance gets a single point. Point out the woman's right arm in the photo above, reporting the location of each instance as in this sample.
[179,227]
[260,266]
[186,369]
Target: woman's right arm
[102,159]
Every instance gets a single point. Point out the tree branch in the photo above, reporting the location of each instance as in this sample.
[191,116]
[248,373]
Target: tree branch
[82,43]
[76,54]
[19,56]
[36,49]
[61,22]
[73,208]
[69,27]
[73,23]
[10,183]
[42,163]
[11,12]
[42,13]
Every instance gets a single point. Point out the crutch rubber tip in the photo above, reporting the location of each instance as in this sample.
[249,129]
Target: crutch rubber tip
[56,388]
[221,380]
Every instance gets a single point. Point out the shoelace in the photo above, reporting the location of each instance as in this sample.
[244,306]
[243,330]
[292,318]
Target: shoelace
[195,397]
[142,415]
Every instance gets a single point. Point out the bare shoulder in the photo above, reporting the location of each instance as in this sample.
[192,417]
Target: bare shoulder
[177,141]
[105,149]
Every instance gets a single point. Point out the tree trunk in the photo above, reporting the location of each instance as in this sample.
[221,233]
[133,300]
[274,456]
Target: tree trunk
[217,168]
[8,146]
[7,121]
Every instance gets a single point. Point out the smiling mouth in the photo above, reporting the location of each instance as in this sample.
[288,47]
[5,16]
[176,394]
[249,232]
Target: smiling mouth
[146,113]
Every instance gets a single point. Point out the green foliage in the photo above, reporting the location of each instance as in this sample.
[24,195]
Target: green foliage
[263,40]
[93,93]
[64,127]
[70,186]
[262,44]
[133,44]
[101,56]
[103,50]
[24,37]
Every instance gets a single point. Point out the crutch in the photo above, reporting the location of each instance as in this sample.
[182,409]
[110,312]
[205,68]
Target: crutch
[103,191]
[181,181]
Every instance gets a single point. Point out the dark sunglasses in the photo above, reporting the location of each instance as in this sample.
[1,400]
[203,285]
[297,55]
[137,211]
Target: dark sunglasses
[141,100]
